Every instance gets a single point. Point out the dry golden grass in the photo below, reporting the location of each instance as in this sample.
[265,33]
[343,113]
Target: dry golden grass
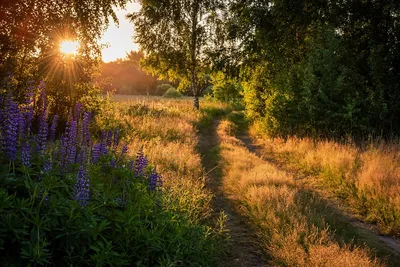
[292,232]
[368,179]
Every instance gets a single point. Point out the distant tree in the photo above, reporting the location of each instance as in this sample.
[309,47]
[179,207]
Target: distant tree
[175,37]
[126,76]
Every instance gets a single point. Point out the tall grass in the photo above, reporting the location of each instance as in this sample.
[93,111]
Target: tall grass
[289,220]
[367,177]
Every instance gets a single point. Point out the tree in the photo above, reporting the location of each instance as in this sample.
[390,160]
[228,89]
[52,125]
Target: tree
[175,37]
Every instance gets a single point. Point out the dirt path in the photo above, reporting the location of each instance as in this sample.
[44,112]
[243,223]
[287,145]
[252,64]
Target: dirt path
[243,249]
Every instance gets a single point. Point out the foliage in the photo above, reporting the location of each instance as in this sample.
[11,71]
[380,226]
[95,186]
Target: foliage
[175,38]
[225,89]
[163,88]
[78,201]
[319,69]
[172,92]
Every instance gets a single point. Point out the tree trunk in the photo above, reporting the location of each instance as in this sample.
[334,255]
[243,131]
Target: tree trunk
[196,103]
[193,48]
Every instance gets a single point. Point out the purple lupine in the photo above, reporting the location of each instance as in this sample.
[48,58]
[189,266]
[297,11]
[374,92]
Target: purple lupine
[82,187]
[116,137]
[124,149]
[48,165]
[77,111]
[21,124]
[26,154]
[53,127]
[71,154]
[82,156]
[96,153]
[85,139]
[141,163]
[43,99]
[42,134]
[109,138]
[64,150]
[10,130]
[103,143]
[155,181]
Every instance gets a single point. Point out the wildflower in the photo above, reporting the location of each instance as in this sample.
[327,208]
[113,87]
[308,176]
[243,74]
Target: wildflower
[131,165]
[72,143]
[155,181]
[64,151]
[96,153]
[77,111]
[124,149]
[53,127]
[141,163]
[81,156]
[48,165]
[116,138]
[26,154]
[10,129]
[82,187]
[109,138]
[103,143]
[42,134]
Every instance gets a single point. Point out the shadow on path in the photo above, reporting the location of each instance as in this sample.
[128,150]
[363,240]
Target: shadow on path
[243,249]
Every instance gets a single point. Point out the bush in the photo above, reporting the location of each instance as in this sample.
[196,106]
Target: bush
[172,93]
[162,88]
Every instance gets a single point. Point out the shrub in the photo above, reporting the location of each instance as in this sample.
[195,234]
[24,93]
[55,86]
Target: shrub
[162,88]
[172,93]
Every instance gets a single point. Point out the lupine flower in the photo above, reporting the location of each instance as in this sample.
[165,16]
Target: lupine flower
[141,163]
[72,143]
[81,156]
[109,138]
[53,127]
[82,187]
[116,138]
[77,111]
[103,144]
[155,181]
[43,99]
[21,124]
[64,151]
[96,153]
[10,129]
[124,149]
[48,165]
[42,134]
[26,154]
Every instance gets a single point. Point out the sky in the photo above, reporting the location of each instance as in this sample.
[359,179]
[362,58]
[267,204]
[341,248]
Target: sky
[120,39]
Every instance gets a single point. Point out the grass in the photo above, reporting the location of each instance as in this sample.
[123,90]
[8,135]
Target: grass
[167,131]
[296,226]
[366,178]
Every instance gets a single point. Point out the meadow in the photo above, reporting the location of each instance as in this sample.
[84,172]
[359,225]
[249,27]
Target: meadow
[123,186]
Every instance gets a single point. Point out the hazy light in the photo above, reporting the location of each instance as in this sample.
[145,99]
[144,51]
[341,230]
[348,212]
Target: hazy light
[69,47]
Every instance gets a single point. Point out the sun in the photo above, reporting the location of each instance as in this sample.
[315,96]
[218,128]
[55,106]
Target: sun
[69,47]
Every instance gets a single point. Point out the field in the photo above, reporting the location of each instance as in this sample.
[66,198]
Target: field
[180,186]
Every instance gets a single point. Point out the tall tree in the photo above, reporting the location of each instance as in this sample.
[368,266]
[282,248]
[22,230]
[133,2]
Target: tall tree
[175,38]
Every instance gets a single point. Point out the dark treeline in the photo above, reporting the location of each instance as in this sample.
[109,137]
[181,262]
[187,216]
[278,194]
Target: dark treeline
[126,77]
[320,68]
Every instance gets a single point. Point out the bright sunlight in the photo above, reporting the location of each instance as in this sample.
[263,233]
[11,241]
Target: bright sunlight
[69,47]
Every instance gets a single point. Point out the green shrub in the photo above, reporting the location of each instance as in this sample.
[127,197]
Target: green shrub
[162,88]
[172,93]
